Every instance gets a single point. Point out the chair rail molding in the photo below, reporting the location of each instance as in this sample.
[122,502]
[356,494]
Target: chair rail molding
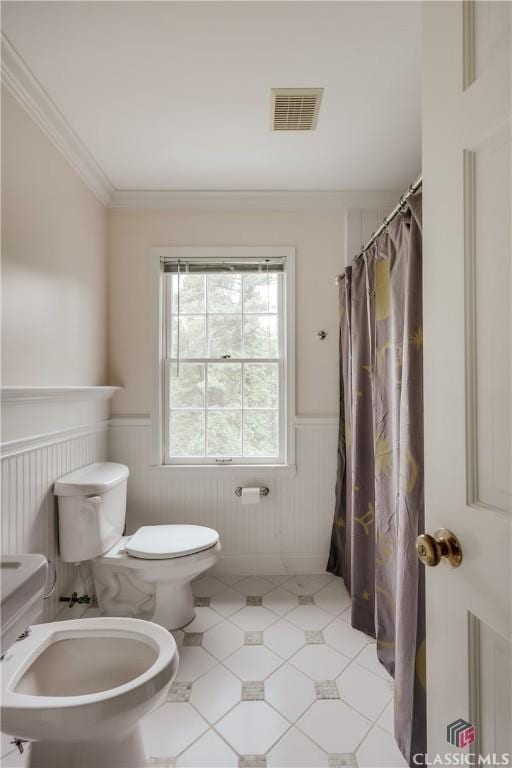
[22,394]
[33,416]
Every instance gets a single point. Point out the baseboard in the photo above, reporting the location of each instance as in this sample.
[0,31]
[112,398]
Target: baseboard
[270,564]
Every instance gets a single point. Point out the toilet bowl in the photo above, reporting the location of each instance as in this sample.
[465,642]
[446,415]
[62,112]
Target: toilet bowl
[147,575]
[78,689]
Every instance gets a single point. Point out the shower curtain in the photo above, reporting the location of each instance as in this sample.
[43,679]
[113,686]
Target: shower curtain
[379,490]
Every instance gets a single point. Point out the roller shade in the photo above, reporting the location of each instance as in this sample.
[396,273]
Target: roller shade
[173,265]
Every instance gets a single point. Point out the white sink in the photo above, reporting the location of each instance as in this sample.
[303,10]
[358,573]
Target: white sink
[22,587]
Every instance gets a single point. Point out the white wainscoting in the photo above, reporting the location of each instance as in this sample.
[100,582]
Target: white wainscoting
[29,508]
[289,531]
[55,431]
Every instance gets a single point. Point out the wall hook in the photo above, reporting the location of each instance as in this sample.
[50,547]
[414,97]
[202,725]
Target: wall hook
[321,335]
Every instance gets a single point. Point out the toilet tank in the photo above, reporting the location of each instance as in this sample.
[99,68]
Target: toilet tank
[92,510]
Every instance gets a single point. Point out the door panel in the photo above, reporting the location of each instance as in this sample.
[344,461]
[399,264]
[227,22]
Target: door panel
[467,365]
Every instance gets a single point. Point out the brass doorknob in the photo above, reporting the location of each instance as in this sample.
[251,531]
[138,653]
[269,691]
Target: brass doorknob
[444,543]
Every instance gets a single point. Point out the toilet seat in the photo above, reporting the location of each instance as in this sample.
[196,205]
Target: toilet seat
[138,677]
[165,542]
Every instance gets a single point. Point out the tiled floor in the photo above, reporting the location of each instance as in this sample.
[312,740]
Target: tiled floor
[272,674]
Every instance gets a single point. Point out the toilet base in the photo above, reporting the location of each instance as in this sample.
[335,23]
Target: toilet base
[154,590]
[174,605]
[125,751]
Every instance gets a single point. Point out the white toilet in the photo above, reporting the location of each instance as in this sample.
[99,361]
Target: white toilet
[77,689]
[147,575]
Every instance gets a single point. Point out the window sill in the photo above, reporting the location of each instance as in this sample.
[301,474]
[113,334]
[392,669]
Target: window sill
[287,470]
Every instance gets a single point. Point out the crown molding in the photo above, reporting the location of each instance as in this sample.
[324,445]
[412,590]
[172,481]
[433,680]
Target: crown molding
[26,89]
[245,200]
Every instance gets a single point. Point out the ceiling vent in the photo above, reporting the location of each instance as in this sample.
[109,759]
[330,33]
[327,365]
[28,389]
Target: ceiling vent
[295,109]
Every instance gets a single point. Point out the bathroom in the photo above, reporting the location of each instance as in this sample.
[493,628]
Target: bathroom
[256,399]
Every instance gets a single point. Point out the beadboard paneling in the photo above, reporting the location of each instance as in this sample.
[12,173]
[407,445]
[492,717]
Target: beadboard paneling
[288,531]
[29,509]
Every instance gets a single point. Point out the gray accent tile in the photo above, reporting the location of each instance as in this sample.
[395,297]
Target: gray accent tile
[254,600]
[253,638]
[252,761]
[179,692]
[306,600]
[326,689]
[202,602]
[193,638]
[314,636]
[253,691]
[348,760]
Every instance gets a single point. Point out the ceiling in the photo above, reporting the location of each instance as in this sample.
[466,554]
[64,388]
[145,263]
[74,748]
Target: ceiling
[176,95]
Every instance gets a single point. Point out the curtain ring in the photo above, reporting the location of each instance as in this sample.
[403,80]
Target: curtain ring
[54,584]
[402,205]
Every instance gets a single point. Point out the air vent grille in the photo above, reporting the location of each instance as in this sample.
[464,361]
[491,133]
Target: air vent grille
[295,109]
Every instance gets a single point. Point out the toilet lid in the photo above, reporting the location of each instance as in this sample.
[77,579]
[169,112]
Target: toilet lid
[159,542]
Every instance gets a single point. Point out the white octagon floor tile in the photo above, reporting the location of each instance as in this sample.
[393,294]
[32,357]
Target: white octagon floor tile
[280,601]
[252,727]
[379,750]
[387,719]
[368,659]
[253,618]
[207,586]
[309,617]
[346,615]
[320,662]
[294,750]
[194,662]
[254,585]
[253,662]
[344,638]
[223,639]
[289,691]
[334,597]
[334,726]
[204,619]
[170,729]
[279,579]
[215,693]
[364,691]
[227,602]
[229,578]
[284,638]
[307,585]
[210,751]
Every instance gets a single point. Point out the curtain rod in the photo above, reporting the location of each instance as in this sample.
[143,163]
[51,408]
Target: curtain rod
[399,208]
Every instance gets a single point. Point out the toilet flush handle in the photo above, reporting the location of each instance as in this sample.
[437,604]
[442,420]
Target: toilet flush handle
[94,499]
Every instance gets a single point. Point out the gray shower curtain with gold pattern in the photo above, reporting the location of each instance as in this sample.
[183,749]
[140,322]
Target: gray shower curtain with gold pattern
[379,492]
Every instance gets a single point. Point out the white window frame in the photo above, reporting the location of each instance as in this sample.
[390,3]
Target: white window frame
[159,408]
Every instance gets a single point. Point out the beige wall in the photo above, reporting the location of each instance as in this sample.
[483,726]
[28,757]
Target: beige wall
[319,240]
[53,263]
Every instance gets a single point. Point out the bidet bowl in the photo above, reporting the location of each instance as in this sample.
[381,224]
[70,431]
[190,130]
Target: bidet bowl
[86,679]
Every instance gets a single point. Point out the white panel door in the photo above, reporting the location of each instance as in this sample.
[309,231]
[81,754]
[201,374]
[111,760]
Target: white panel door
[467,316]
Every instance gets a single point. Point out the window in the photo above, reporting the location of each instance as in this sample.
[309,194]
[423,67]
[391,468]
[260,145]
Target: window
[226,356]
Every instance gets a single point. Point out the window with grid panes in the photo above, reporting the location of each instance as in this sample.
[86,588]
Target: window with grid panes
[224,372]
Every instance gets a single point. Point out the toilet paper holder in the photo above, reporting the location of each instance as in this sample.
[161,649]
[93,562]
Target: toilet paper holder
[264,491]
